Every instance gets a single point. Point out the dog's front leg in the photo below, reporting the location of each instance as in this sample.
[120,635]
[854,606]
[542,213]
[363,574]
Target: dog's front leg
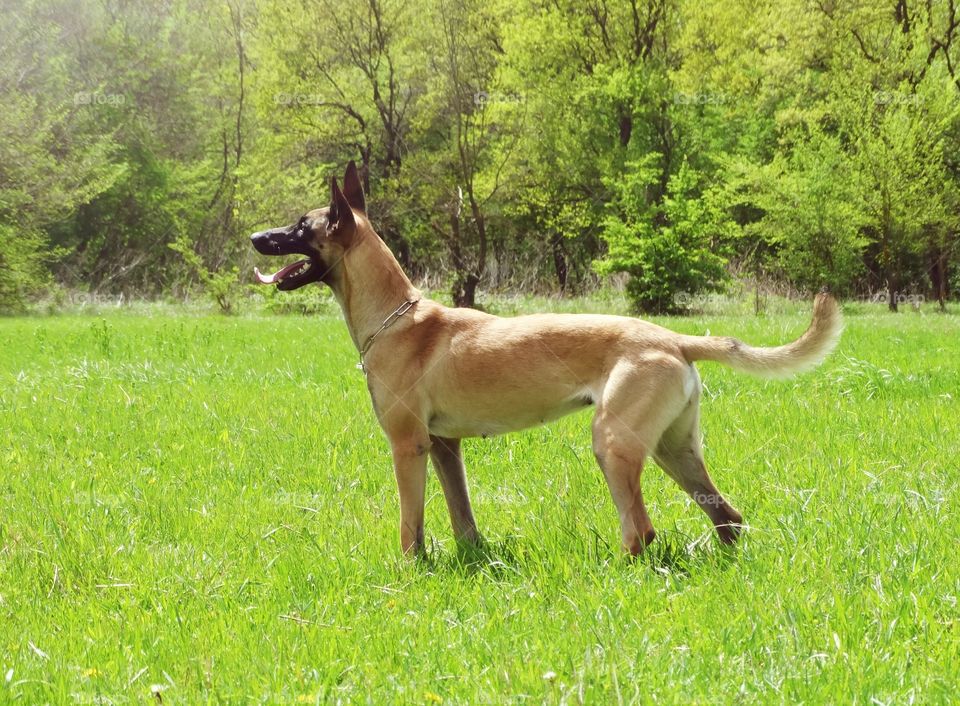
[410,467]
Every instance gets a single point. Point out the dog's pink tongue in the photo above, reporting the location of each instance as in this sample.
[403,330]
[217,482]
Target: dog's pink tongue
[266,279]
[278,275]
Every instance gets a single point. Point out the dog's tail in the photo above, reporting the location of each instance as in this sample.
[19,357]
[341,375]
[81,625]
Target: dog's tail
[805,353]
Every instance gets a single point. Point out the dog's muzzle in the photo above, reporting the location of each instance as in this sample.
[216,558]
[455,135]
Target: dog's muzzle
[288,241]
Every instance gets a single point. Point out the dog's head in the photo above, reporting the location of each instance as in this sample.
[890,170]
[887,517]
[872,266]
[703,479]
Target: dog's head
[322,236]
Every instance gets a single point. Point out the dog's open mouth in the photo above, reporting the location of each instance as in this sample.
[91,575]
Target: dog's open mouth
[296,269]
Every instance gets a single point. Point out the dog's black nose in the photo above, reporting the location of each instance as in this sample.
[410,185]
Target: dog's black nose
[265,242]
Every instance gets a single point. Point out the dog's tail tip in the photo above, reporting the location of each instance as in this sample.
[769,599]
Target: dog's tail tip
[823,335]
[808,351]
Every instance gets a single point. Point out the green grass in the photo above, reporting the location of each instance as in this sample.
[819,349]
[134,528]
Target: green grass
[205,505]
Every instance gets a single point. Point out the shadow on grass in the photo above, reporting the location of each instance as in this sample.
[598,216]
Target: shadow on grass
[676,553]
[673,552]
[494,559]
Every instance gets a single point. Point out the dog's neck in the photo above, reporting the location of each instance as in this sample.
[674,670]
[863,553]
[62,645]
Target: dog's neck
[371,287]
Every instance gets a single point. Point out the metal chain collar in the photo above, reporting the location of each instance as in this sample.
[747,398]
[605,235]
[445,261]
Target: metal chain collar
[387,323]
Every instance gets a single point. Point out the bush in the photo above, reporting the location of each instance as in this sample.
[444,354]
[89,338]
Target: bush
[23,274]
[671,250]
[308,300]
[223,286]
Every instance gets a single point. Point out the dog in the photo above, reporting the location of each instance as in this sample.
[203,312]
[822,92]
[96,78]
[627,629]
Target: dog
[437,375]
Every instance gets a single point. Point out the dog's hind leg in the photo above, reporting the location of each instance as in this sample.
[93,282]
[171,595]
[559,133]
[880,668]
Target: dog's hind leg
[680,453]
[629,419]
[622,466]
[448,463]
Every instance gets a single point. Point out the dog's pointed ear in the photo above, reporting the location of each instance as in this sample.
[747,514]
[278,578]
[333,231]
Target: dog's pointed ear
[353,189]
[340,216]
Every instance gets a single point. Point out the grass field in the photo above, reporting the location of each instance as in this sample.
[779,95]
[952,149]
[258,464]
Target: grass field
[204,507]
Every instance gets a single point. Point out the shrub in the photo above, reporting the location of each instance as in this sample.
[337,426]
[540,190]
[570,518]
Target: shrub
[671,250]
[305,301]
[23,274]
[222,286]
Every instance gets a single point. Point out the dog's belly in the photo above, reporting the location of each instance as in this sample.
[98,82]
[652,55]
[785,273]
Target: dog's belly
[502,418]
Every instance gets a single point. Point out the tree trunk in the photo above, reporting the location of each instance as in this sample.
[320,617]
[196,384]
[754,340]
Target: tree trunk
[465,286]
[938,277]
[559,260]
[626,126]
[943,293]
[366,150]
[891,293]
[465,291]
[401,247]
[499,256]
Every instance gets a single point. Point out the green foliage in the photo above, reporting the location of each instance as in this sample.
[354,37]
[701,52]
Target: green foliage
[496,138]
[119,134]
[900,157]
[813,214]
[306,301]
[671,249]
[223,286]
[22,268]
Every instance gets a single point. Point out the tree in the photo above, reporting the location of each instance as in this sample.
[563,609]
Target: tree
[593,78]
[813,214]
[502,144]
[349,90]
[471,116]
[894,100]
[50,163]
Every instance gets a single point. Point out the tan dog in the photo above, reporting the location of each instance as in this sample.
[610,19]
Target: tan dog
[437,374]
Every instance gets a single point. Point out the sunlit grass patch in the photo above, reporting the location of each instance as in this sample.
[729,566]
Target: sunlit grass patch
[203,508]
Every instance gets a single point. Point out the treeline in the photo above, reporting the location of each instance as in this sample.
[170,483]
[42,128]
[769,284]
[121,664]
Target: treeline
[505,143]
